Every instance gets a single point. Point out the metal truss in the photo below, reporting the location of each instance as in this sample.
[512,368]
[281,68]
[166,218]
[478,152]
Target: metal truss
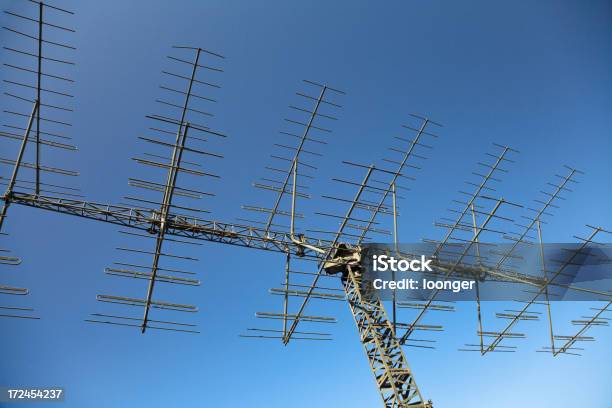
[394,378]
[176,225]
[337,257]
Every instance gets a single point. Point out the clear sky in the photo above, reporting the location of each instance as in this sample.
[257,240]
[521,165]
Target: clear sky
[534,75]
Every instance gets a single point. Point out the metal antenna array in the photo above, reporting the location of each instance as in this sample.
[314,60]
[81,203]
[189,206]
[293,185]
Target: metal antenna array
[308,126]
[325,263]
[303,135]
[446,252]
[462,252]
[38,62]
[184,86]
[376,195]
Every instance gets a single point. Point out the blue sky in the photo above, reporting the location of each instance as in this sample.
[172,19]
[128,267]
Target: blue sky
[534,75]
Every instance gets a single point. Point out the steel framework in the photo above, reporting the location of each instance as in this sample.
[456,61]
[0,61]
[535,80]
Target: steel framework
[337,252]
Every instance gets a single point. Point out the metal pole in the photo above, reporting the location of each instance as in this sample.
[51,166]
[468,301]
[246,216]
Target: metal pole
[293,195]
[164,211]
[296,320]
[475,225]
[298,241]
[297,155]
[395,246]
[177,153]
[11,184]
[38,86]
[286,300]
[550,322]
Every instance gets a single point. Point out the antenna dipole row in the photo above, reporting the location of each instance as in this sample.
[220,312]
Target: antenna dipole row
[321,263]
[183,93]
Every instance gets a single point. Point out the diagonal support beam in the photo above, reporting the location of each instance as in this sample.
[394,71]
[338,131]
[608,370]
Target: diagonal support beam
[8,195]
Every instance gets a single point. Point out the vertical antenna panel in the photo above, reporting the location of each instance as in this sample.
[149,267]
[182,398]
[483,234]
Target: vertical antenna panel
[177,138]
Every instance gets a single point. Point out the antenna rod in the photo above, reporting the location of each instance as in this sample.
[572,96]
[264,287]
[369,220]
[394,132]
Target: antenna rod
[293,196]
[286,300]
[452,269]
[473,198]
[545,272]
[478,306]
[363,184]
[297,154]
[11,184]
[395,245]
[559,189]
[394,179]
[295,240]
[177,153]
[38,87]
[498,339]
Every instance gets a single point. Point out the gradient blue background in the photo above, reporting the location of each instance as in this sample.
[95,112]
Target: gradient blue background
[535,75]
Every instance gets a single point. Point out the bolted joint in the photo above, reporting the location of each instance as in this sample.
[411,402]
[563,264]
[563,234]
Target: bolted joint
[342,257]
